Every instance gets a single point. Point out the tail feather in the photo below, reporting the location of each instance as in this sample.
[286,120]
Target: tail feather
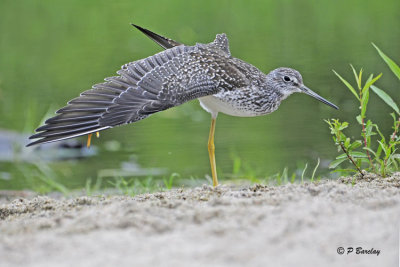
[64,137]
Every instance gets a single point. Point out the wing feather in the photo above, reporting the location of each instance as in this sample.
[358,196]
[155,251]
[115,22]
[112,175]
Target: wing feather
[143,87]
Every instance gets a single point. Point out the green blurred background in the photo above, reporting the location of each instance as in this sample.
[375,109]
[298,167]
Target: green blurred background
[50,51]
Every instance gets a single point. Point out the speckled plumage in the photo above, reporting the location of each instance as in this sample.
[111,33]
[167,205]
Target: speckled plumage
[168,79]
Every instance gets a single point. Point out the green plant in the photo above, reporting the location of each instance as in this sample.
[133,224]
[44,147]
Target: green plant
[283,177]
[374,152]
[170,181]
[93,188]
[244,170]
[134,186]
[42,179]
[315,170]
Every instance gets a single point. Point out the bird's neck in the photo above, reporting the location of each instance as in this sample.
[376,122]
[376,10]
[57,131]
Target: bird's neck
[274,91]
[278,92]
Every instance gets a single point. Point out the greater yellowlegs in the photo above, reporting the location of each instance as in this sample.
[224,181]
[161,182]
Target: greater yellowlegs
[170,78]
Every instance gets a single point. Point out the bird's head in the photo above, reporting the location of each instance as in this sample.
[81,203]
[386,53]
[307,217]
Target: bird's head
[288,81]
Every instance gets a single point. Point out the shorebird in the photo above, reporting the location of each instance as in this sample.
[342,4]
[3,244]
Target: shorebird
[178,74]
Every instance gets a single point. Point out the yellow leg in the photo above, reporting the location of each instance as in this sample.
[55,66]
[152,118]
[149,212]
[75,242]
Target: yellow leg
[211,152]
[97,134]
[89,139]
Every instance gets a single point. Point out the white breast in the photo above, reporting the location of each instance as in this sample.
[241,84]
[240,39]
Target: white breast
[214,105]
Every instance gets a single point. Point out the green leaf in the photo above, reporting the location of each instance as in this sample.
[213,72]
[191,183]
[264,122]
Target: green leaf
[368,128]
[352,154]
[369,78]
[359,119]
[385,97]
[355,145]
[392,65]
[342,136]
[385,148]
[370,82]
[358,162]
[336,162]
[357,77]
[394,117]
[379,131]
[347,84]
[343,125]
[365,160]
[364,102]
[342,156]
[378,152]
[358,154]
[370,150]
[347,142]
[396,166]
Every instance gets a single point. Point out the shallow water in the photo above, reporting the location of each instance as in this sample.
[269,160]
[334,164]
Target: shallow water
[51,51]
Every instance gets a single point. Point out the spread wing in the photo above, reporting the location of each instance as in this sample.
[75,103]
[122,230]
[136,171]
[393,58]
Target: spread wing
[143,87]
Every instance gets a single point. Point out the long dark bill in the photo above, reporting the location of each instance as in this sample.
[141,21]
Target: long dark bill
[316,96]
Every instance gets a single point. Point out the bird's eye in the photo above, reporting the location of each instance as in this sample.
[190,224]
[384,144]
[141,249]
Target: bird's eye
[286,78]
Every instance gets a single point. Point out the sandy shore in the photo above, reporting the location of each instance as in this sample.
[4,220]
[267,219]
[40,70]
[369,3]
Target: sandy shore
[290,225]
